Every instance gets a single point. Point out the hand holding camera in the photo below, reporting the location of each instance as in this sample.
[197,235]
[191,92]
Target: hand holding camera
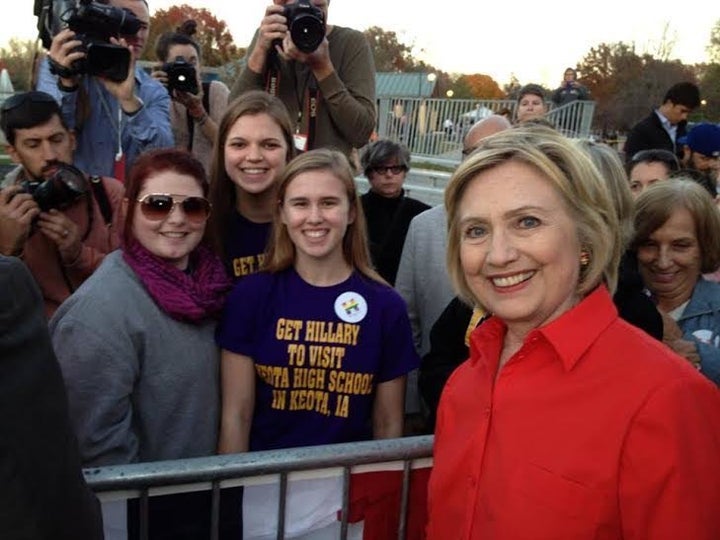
[181,80]
[63,232]
[18,211]
[293,30]
[65,51]
[95,27]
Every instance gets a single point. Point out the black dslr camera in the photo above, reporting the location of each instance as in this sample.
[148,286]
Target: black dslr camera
[60,191]
[306,24]
[181,76]
[94,24]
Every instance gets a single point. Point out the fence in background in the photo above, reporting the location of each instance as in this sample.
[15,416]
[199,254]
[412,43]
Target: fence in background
[434,128]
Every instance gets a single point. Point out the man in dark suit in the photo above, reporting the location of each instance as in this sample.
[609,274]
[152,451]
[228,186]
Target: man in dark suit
[43,494]
[666,124]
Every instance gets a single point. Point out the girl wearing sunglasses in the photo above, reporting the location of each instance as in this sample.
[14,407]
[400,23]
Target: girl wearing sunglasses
[254,144]
[316,348]
[135,342]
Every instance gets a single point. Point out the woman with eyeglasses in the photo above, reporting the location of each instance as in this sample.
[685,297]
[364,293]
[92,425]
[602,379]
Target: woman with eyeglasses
[388,211]
[136,341]
[254,143]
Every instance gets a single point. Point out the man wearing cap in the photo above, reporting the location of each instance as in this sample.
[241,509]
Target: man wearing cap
[701,150]
[666,124]
[51,215]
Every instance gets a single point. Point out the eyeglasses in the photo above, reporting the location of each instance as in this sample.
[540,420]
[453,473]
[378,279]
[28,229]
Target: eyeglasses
[158,206]
[17,100]
[395,169]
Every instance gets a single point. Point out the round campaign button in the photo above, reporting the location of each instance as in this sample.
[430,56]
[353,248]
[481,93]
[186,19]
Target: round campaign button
[351,307]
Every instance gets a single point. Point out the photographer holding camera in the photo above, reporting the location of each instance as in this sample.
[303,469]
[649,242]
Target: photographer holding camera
[197,106]
[51,215]
[570,89]
[116,113]
[324,74]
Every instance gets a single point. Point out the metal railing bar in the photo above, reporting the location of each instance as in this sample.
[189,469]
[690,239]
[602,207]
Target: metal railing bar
[282,503]
[144,515]
[215,511]
[404,497]
[345,503]
[227,466]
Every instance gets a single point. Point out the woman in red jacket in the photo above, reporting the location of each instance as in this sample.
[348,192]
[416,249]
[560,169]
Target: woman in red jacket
[566,422]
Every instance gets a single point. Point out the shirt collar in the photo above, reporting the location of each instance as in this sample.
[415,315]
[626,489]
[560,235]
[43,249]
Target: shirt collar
[575,331]
[670,128]
[570,335]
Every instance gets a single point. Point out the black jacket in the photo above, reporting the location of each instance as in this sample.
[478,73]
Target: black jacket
[43,494]
[649,134]
[388,221]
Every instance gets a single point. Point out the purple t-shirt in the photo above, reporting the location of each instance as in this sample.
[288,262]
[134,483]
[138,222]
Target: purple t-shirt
[245,246]
[319,354]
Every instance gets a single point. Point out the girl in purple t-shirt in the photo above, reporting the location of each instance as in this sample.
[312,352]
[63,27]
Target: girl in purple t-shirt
[315,349]
[254,144]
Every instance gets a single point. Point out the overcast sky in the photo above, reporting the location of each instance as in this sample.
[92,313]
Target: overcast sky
[529,39]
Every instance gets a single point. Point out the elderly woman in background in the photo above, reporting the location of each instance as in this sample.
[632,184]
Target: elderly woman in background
[388,211]
[676,240]
[566,422]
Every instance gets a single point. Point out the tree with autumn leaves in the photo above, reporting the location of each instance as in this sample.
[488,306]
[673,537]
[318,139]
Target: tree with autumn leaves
[216,42]
[624,83]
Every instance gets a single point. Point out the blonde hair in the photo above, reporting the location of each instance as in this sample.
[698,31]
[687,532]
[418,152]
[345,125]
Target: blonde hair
[613,172]
[574,177]
[281,250]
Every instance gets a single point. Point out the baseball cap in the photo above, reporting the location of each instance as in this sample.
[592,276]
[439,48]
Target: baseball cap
[704,139]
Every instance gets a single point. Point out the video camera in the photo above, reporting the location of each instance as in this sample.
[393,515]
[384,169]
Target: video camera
[306,24]
[94,24]
[181,76]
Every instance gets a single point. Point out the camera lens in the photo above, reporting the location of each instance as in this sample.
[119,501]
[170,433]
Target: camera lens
[306,24]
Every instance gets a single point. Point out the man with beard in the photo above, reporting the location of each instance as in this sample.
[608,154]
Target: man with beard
[58,220]
[701,152]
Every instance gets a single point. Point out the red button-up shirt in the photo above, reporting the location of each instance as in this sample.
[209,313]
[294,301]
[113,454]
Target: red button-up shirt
[592,430]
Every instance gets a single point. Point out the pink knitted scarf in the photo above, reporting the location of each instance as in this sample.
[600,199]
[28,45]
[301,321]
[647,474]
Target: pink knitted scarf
[189,297]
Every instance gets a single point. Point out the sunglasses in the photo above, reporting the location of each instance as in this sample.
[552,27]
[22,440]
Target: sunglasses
[395,169]
[158,206]
[18,100]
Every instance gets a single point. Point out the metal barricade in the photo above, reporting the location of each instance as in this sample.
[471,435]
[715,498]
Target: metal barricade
[434,128]
[143,480]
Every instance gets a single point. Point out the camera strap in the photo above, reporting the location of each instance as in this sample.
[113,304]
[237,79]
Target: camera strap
[313,102]
[191,121]
[308,97]
[101,197]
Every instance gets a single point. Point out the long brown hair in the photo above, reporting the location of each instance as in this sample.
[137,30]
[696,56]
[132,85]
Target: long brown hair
[281,251]
[222,189]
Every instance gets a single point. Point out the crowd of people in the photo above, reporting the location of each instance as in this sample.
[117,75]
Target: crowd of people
[191,271]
